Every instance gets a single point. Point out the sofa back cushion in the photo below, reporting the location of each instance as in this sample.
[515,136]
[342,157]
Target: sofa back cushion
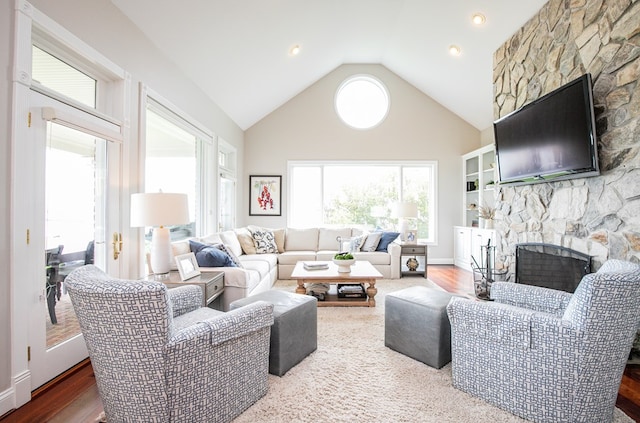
[230,239]
[301,239]
[328,238]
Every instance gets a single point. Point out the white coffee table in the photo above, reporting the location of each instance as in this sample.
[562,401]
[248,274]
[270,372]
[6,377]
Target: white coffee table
[361,272]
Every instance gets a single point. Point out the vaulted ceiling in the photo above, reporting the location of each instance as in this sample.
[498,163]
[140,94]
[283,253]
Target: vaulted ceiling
[237,51]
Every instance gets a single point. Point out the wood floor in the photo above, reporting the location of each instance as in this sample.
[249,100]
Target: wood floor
[73,397]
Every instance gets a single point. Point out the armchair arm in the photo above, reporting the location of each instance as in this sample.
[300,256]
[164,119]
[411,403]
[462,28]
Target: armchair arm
[184,299]
[531,297]
[224,327]
[507,325]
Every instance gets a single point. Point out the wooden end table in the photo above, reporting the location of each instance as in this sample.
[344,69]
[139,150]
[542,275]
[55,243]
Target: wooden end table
[212,284]
[361,272]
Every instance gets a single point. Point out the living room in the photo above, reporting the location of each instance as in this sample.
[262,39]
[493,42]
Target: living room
[303,128]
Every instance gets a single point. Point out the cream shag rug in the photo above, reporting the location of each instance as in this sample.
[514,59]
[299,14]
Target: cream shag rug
[353,377]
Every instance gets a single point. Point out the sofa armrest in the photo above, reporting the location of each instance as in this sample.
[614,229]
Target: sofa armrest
[531,297]
[184,299]
[394,249]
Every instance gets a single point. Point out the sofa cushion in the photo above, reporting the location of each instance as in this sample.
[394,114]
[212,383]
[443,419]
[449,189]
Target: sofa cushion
[246,240]
[292,257]
[301,239]
[372,241]
[263,240]
[261,266]
[328,238]
[230,239]
[386,239]
[210,256]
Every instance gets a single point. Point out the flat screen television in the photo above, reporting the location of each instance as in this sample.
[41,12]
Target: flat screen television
[551,138]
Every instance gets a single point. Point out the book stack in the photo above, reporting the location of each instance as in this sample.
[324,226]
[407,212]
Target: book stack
[351,291]
[315,265]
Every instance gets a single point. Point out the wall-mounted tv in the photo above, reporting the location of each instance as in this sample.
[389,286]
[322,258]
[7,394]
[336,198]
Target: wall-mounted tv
[551,138]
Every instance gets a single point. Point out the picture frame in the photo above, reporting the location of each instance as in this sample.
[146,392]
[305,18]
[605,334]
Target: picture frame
[410,237]
[265,195]
[187,266]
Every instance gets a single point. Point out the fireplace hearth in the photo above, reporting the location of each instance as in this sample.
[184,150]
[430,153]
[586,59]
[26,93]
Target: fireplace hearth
[550,266]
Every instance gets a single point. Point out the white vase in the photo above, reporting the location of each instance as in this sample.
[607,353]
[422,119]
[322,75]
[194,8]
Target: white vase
[488,223]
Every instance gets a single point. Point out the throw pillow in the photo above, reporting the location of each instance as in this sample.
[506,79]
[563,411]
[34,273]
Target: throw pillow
[386,239]
[246,240]
[356,243]
[210,256]
[230,253]
[372,241]
[264,241]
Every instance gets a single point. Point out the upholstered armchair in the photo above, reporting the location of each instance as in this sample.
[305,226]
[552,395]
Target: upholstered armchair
[160,357]
[546,355]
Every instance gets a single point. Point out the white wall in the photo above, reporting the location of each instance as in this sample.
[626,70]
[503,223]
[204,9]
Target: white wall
[6,46]
[101,25]
[417,128]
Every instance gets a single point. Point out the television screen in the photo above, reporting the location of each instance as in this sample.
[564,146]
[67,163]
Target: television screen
[550,138]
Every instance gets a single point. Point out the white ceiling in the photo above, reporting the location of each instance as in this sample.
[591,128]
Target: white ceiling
[237,50]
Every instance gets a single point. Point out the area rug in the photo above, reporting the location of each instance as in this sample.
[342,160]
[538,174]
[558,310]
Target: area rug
[353,377]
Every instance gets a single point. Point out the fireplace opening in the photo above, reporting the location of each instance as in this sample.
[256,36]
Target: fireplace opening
[551,266]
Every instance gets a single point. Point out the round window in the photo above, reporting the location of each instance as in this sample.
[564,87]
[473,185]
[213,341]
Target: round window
[362,101]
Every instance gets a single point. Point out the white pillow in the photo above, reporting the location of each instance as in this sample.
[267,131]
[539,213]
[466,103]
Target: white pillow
[372,241]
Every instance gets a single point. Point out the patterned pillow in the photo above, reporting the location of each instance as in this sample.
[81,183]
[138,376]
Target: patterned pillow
[264,241]
[232,256]
[356,243]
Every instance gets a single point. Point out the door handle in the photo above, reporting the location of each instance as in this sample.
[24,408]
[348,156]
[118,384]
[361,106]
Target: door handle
[117,245]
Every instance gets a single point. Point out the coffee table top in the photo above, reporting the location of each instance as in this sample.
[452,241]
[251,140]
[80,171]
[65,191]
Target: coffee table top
[361,269]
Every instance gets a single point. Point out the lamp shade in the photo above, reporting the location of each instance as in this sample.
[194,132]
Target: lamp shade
[406,209]
[159,209]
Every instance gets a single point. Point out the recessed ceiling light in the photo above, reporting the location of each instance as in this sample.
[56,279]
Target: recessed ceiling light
[293,51]
[478,18]
[454,50]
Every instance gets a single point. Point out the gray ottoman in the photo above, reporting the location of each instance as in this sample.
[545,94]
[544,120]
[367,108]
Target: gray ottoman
[294,334]
[416,324]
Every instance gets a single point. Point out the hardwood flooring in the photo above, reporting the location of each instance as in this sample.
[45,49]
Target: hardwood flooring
[73,397]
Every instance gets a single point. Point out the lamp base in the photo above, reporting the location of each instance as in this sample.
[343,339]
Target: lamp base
[160,250]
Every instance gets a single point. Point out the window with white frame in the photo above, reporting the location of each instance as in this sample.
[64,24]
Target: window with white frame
[362,194]
[175,151]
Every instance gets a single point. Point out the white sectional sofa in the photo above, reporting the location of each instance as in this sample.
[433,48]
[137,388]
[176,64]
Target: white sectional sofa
[259,271]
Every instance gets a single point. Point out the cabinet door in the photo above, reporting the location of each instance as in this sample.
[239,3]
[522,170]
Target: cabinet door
[462,247]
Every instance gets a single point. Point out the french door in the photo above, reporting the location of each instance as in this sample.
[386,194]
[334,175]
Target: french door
[72,194]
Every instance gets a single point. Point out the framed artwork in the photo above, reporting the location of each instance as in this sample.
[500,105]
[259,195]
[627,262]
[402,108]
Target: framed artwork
[265,195]
[187,266]
[410,237]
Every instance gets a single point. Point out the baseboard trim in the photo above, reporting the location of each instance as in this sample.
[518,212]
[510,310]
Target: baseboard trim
[7,402]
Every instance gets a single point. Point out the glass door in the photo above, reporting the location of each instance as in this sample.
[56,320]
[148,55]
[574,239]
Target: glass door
[227,201]
[73,174]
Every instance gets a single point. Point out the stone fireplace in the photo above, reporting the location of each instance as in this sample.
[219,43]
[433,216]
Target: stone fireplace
[598,216]
[550,266]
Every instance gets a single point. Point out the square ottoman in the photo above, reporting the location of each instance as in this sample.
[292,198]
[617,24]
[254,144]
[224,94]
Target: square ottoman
[416,324]
[294,334]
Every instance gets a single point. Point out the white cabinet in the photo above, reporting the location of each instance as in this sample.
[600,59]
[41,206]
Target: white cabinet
[479,176]
[467,243]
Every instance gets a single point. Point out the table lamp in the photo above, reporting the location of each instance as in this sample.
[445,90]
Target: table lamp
[159,210]
[405,211]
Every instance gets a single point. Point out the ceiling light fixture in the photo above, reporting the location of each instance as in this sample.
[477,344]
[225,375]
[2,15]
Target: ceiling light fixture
[478,18]
[293,51]
[454,50]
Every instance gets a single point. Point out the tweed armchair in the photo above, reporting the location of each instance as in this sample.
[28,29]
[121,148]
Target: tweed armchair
[546,355]
[160,357]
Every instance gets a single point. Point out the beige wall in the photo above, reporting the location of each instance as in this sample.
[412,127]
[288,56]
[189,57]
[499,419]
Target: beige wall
[416,128]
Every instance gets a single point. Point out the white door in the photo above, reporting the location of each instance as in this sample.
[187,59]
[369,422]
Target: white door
[73,194]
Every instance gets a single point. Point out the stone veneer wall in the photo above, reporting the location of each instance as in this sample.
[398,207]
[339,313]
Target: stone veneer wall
[599,216]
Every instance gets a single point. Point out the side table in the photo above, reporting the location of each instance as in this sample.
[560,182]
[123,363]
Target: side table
[413,250]
[212,284]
